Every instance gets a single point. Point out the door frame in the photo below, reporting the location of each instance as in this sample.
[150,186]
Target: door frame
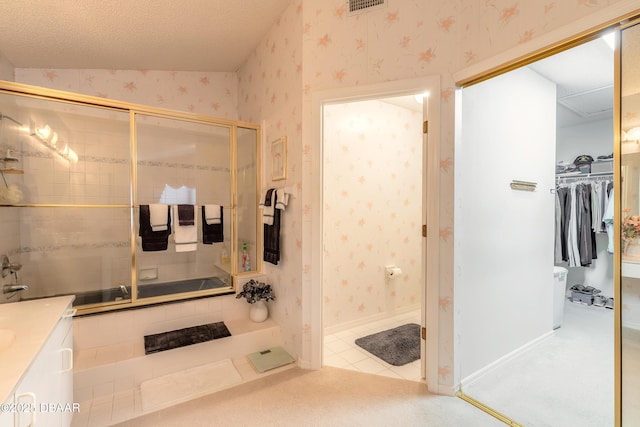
[563,38]
[431,161]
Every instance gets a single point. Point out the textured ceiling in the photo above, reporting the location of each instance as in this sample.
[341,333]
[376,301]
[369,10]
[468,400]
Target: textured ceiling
[185,35]
[216,35]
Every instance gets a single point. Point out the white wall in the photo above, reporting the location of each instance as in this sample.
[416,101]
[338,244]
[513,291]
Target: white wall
[504,238]
[593,138]
[596,139]
[372,210]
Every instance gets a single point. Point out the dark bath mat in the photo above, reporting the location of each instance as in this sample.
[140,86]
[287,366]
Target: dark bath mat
[183,337]
[397,346]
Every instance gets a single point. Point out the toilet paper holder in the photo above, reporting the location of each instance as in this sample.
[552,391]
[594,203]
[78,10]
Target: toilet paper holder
[392,271]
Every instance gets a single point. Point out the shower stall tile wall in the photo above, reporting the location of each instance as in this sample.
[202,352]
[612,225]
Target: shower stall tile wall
[10,220]
[100,139]
[86,170]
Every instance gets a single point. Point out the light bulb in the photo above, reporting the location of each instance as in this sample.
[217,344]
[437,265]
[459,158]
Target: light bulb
[44,132]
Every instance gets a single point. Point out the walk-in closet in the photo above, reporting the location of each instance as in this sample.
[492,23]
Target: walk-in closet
[534,249]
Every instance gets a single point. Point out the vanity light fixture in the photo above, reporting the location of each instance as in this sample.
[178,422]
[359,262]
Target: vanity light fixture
[48,137]
[44,133]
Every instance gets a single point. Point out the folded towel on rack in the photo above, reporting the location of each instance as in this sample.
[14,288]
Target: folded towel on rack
[186,236]
[186,215]
[159,217]
[153,240]
[268,206]
[212,233]
[271,232]
[213,214]
[282,199]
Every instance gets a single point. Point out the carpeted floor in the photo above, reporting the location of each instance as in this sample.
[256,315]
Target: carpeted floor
[326,397]
[566,380]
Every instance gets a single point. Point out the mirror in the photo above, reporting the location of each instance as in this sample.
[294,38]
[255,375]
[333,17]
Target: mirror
[629,304]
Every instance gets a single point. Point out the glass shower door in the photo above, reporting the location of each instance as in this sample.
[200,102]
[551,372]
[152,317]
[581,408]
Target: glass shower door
[182,163]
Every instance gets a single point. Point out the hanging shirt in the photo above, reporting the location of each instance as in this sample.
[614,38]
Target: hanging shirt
[572,238]
[607,219]
[558,229]
[596,215]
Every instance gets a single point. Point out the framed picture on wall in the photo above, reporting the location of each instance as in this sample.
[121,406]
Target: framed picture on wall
[279,159]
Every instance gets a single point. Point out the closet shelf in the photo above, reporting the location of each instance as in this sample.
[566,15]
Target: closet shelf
[583,176]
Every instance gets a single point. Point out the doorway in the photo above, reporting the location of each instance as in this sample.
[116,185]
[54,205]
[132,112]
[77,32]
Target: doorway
[357,257]
[531,125]
[372,214]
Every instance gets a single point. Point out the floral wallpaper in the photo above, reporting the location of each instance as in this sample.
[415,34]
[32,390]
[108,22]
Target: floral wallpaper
[372,164]
[408,39]
[207,93]
[316,46]
[270,93]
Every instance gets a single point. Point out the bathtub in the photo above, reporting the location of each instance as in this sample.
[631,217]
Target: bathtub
[149,290]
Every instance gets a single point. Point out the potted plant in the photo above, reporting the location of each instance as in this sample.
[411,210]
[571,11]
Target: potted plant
[256,294]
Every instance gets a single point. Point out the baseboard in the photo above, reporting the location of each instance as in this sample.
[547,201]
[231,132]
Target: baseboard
[363,321]
[305,364]
[470,379]
[631,325]
[446,390]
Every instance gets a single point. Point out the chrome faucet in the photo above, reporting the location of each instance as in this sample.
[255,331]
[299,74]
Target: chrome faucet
[7,267]
[13,290]
[6,289]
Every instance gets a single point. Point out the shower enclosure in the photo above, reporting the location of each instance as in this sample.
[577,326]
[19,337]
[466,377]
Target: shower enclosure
[75,171]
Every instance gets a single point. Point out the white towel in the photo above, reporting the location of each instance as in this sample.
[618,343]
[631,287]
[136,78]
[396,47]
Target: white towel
[185,236]
[212,214]
[282,199]
[159,217]
[268,211]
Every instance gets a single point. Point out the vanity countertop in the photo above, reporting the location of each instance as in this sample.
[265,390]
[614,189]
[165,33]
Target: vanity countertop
[32,322]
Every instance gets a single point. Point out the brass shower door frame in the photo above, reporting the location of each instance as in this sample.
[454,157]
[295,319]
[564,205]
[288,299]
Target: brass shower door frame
[19,89]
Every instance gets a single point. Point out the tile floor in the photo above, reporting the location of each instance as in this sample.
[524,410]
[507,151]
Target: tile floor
[341,351]
[121,406]
[109,409]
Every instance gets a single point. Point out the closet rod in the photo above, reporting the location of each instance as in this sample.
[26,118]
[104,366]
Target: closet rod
[586,177]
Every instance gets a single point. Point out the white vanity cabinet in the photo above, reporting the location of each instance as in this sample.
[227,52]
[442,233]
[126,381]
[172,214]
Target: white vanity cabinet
[44,394]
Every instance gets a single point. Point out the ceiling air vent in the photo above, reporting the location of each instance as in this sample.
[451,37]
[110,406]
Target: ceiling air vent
[361,6]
